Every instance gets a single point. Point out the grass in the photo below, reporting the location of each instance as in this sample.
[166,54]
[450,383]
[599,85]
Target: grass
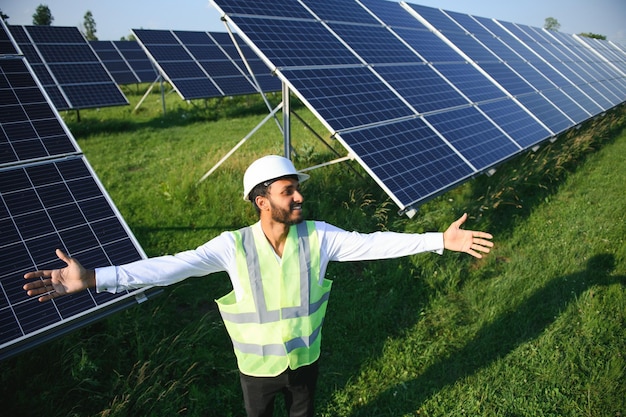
[536,329]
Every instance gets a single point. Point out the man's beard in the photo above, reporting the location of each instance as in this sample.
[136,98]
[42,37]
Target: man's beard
[283,216]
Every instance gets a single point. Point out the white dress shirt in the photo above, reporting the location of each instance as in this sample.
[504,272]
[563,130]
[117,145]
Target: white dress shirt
[218,255]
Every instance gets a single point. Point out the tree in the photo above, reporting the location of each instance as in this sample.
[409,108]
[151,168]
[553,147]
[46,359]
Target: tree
[43,16]
[592,35]
[4,17]
[90,27]
[552,24]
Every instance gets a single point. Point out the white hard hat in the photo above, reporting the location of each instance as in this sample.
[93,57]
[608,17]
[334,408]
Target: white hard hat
[268,168]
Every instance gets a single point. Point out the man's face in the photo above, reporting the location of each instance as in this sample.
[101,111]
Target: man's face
[285,201]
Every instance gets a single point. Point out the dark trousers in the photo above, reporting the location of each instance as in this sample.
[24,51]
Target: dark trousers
[297,387]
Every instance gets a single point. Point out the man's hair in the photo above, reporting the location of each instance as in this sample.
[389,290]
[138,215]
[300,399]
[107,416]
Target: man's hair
[258,190]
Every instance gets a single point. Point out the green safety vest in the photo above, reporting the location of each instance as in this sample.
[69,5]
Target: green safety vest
[277,323]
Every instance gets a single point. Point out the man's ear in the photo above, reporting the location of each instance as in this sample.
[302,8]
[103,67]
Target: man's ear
[262,202]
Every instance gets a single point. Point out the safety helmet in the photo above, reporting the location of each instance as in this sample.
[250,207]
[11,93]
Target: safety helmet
[267,168]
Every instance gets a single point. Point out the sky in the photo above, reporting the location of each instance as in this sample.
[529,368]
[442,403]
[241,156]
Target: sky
[115,18]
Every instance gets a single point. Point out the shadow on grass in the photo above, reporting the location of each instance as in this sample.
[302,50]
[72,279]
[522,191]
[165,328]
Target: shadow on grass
[524,323]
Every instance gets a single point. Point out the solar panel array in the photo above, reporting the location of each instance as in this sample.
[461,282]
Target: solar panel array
[126,61]
[424,98]
[49,198]
[205,64]
[67,67]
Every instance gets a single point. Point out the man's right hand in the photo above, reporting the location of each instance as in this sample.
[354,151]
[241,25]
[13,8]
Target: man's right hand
[54,283]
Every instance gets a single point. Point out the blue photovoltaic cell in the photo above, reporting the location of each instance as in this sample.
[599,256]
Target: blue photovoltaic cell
[612,91]
[137,60]
[595,95]
[494,28]
[340,11]
[413,32]
[347,97]
[68,68]
[213,62]
[517,32]
[471,82]
[7,47]
[178,65]
[522,50]
[516,122]
[220,58]
[599,86]
[475,137]
[393,14]
[264,78]
[30,129]
[547,71]
[536,79]
[39,68]
[471,47]
[582,99]
[468,23]
[500,49]
[546,112]
[113,61]
[512,82]
[283,8]
[125,60]
[566,104]
[429,46]
[409,158]
[262,74]
[422,87]
[568,73]
[374,44]
[296,43]
[436,18]
[574,46]
[204,64]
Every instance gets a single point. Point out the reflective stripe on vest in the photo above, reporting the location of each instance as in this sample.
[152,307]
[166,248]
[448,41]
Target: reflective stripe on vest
[269,338]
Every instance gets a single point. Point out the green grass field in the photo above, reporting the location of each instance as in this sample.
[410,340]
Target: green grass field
[538,328]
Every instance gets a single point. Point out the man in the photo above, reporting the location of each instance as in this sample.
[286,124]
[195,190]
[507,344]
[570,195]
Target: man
[274,313]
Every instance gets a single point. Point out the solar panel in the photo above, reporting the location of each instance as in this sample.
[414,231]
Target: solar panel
[424,98]
[68,68]
[49,198]
[126,61]
[203,64]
